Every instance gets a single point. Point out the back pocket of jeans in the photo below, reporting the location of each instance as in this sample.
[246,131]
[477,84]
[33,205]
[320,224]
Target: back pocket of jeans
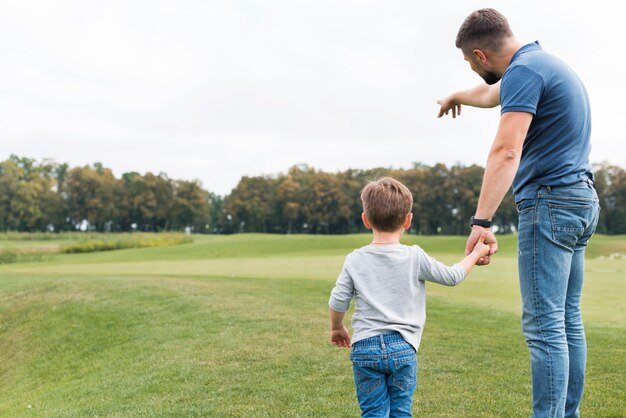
[367,376]
[405,376]
[569,222]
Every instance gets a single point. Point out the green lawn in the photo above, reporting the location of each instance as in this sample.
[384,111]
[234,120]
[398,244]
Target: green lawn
[236,326]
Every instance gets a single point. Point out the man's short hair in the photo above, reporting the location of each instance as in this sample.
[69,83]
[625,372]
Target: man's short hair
[484,28]
[386,203]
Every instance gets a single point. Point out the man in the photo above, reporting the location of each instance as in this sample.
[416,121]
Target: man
[541,148]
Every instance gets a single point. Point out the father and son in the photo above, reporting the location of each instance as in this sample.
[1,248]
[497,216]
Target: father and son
[541,148]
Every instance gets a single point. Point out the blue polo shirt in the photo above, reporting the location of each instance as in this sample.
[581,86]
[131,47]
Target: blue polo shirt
[556,148]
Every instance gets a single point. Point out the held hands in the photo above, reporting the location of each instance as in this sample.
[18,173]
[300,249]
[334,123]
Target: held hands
[340,337]
[481,249]
[483,241]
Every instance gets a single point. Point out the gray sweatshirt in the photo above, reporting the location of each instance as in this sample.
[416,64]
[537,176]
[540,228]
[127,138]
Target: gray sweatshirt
[388,286]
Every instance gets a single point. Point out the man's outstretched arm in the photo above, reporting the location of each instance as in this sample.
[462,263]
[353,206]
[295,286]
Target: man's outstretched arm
[484,96]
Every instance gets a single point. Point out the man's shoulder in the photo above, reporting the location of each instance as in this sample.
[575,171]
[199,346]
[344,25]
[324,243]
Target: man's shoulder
[534,59]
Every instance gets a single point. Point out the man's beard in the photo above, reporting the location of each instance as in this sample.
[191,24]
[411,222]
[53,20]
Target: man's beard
[490,78]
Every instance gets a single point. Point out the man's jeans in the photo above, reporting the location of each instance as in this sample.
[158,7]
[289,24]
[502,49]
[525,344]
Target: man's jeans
[553,232]
[385,374]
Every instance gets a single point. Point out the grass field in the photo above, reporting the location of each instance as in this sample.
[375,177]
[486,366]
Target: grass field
[236,326]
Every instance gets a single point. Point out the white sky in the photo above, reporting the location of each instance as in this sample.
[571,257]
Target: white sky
[214,90]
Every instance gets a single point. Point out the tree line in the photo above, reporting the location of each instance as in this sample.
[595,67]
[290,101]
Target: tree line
[50,196]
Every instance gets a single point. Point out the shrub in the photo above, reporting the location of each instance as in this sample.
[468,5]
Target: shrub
[125,241]
[9,257]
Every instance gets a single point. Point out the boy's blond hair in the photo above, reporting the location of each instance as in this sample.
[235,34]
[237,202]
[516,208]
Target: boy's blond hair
[386,203]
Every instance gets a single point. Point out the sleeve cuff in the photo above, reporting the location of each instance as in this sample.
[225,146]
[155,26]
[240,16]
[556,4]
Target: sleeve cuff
[338,306]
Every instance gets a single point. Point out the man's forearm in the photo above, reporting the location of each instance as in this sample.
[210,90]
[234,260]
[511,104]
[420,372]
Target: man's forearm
[483,96]
[503,162]
[499,174]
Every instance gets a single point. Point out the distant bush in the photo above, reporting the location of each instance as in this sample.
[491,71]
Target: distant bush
[44,236]
[125,241]
[9,257]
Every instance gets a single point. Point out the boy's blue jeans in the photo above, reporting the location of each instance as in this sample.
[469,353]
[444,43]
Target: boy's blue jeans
[553,232]
[385,374]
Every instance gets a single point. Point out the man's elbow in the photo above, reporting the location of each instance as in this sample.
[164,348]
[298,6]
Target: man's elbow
[507,155]
[511,155]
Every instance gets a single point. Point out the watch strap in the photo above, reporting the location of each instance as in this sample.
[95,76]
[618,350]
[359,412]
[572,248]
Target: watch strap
[486,223]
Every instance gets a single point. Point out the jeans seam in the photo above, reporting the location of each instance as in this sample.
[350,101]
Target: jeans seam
[540,325]
[536,305]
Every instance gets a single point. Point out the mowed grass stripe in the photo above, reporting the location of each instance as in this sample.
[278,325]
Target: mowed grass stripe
[313,267]
[262,245]
[493,286]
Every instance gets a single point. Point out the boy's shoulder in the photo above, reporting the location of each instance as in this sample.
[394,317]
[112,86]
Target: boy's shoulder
[377,250]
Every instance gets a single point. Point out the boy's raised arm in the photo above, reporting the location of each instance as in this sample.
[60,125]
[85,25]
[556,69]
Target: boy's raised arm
[435,271]
[479,251]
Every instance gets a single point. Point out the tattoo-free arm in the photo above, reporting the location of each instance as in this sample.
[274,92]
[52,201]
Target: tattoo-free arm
[502,164]
[484,96]
[339,334]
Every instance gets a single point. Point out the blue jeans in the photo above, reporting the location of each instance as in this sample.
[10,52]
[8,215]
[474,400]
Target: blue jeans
[553,232]
[385,374]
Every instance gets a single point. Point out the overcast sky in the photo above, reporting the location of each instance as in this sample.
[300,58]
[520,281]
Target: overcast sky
[215,90]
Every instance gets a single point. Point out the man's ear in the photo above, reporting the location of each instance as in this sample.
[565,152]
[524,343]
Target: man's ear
[480,55]
[366,221]
[407,221]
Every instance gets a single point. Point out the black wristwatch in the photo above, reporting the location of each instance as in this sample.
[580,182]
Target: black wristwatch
[480,222]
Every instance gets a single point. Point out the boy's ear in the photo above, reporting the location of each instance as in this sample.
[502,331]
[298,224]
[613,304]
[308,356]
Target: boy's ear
[407,221]
[366,222]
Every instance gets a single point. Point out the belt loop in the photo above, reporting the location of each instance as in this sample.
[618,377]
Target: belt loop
[549,189]
[382,341]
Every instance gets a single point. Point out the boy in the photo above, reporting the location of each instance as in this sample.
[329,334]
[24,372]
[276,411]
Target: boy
[386,280]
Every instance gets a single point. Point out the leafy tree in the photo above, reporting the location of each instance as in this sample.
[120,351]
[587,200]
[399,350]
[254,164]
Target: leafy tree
[289,203]
[150,200]
[190,208]
[10,175]
[91,196]
[27,201]
[249,204]
[611,188]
